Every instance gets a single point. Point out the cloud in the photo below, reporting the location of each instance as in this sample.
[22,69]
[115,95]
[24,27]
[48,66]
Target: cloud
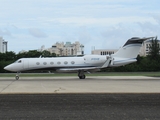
[99,23]
[35,32]
[5,32]
[108,21]
[84,35]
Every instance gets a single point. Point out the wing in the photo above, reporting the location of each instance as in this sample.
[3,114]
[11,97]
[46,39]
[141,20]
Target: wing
[76,69]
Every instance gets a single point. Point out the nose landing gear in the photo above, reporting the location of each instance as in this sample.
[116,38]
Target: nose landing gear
[17,76]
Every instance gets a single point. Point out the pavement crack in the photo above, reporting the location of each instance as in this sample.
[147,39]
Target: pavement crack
[7,86]
[58,89]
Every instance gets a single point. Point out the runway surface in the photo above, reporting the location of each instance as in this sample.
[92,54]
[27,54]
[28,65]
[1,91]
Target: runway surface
[95,84]
[69,98]
[80,106]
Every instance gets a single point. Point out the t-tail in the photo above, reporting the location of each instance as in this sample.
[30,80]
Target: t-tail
[128,53]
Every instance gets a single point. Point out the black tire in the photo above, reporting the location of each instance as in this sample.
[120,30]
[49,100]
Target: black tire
[83,77]
[17,77]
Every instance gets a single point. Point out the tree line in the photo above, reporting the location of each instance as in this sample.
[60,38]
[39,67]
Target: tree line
[151,62]
[143,64]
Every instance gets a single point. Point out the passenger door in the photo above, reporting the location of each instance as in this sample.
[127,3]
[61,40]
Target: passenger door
[25,64]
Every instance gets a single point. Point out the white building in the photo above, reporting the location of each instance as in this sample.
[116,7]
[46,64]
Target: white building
[144,51]
[104,51]
[3,45]
[67,49]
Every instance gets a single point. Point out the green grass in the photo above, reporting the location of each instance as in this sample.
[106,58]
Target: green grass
[154,74]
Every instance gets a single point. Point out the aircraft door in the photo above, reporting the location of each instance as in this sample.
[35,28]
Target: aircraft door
[85,60]
[25,64]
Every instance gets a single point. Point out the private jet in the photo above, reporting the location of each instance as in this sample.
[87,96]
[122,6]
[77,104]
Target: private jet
[87,63]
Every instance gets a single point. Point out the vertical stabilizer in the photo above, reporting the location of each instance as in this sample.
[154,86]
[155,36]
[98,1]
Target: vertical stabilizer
[131,48]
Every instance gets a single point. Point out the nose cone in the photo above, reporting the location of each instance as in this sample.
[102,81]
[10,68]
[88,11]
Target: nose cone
[9,68]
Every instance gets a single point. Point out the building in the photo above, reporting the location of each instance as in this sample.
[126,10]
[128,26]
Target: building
[67,49]
[144,51]
[3,45]
[104,51]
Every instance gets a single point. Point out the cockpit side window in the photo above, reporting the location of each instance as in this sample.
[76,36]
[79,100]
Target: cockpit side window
[18,61]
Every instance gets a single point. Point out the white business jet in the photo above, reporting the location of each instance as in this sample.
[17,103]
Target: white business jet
[125,55]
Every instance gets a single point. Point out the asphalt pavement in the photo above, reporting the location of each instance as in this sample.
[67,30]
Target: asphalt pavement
[80,106]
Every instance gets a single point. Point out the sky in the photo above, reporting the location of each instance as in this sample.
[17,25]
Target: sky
[99,24]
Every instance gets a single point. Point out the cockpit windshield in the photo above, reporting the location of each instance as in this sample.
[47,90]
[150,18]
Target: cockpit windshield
[18,61]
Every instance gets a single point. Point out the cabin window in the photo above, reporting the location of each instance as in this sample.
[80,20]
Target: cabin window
[44,63]
[72,62]
[65,62]
[51,63]
[58,63]
[37,63]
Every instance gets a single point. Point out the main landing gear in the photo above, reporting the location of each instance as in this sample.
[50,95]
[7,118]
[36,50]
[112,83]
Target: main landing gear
[81,74]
